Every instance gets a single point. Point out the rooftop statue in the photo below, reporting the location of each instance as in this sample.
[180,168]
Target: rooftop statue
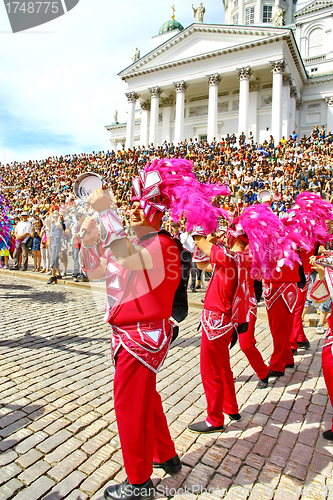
[199,13]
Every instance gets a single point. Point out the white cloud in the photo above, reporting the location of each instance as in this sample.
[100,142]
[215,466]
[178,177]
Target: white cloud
[60,79]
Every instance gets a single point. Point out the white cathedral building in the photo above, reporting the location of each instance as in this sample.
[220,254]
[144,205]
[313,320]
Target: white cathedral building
[268,70]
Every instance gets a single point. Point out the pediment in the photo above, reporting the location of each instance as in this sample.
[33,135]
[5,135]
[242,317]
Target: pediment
[198,40]
[314,7]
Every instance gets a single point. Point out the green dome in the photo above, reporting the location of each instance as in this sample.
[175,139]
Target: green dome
[170,25]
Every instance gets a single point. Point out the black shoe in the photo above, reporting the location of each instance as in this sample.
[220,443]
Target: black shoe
[193,290]
[304,345]
[294,351]
[263,383]
[170,466]
[24,269]
[59,277]
[273,373]
[127,491]
[53,279]
[292,365]
[14,268]
[235,416]
[328,435]
[204,427]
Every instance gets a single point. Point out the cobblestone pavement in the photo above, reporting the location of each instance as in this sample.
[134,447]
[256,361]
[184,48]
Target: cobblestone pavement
[58,433]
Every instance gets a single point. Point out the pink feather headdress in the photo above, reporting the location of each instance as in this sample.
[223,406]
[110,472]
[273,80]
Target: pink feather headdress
[271,245]
[308,218]
[171,183]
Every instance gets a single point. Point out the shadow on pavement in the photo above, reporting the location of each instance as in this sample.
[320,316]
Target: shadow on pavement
[31,341]
[33,296]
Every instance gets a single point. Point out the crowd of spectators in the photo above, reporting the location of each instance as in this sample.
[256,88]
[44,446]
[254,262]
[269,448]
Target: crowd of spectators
[44,189]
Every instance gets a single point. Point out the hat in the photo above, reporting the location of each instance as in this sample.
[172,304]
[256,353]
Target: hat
[24,213]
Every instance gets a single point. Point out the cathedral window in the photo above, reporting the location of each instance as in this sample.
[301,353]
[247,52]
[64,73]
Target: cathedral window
[316,42]
[235,19]
[266,13]
[249,15]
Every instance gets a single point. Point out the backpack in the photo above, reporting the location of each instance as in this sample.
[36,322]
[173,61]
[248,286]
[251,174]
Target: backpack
[180,301]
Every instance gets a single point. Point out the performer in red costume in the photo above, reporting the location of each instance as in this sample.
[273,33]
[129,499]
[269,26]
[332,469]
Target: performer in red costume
[298,338]
[141,281]
[280,293]
[325,278]
[310,217]
[247,341]
[226,306]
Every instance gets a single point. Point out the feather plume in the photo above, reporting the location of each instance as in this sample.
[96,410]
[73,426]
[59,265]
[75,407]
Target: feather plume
[271,245]
[308,218]
[186,196]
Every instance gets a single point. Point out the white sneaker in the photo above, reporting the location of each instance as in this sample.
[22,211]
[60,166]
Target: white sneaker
[49,272]
[63,273]
[5,267]
[320,329]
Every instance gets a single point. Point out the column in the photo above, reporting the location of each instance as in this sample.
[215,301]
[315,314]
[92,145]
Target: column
[131,99]
[213,81]
[276,126]
[241,12]
[145,109]
[180,101]
[298,112]
[155,93]
[252,122]
[292,121]
[258,13]
[286,110]
[329,121]
[167,104]
[244,75]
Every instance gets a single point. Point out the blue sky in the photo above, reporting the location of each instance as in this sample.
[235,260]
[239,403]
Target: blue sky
[58,82]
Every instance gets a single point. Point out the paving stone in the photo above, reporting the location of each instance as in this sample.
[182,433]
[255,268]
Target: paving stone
[77,495]
[68,465]
[302,454]
[66,486]
[7,457]
[31,442]
[36,490]
[29,458]
[97,459]
[199,478]
[101,476]
[14,439]
[321,463]
[8,472]
[230,466]
[63,450]
[213,456]
[33,472]
[246,476]
[52,442]
[7,490]
[270,474]
[289,488]
[264,445]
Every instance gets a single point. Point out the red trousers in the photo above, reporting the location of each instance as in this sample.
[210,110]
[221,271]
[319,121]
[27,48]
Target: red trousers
[143,429]
[217,378]
[280,321]
[297,332]
[327,360]
[247,343]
